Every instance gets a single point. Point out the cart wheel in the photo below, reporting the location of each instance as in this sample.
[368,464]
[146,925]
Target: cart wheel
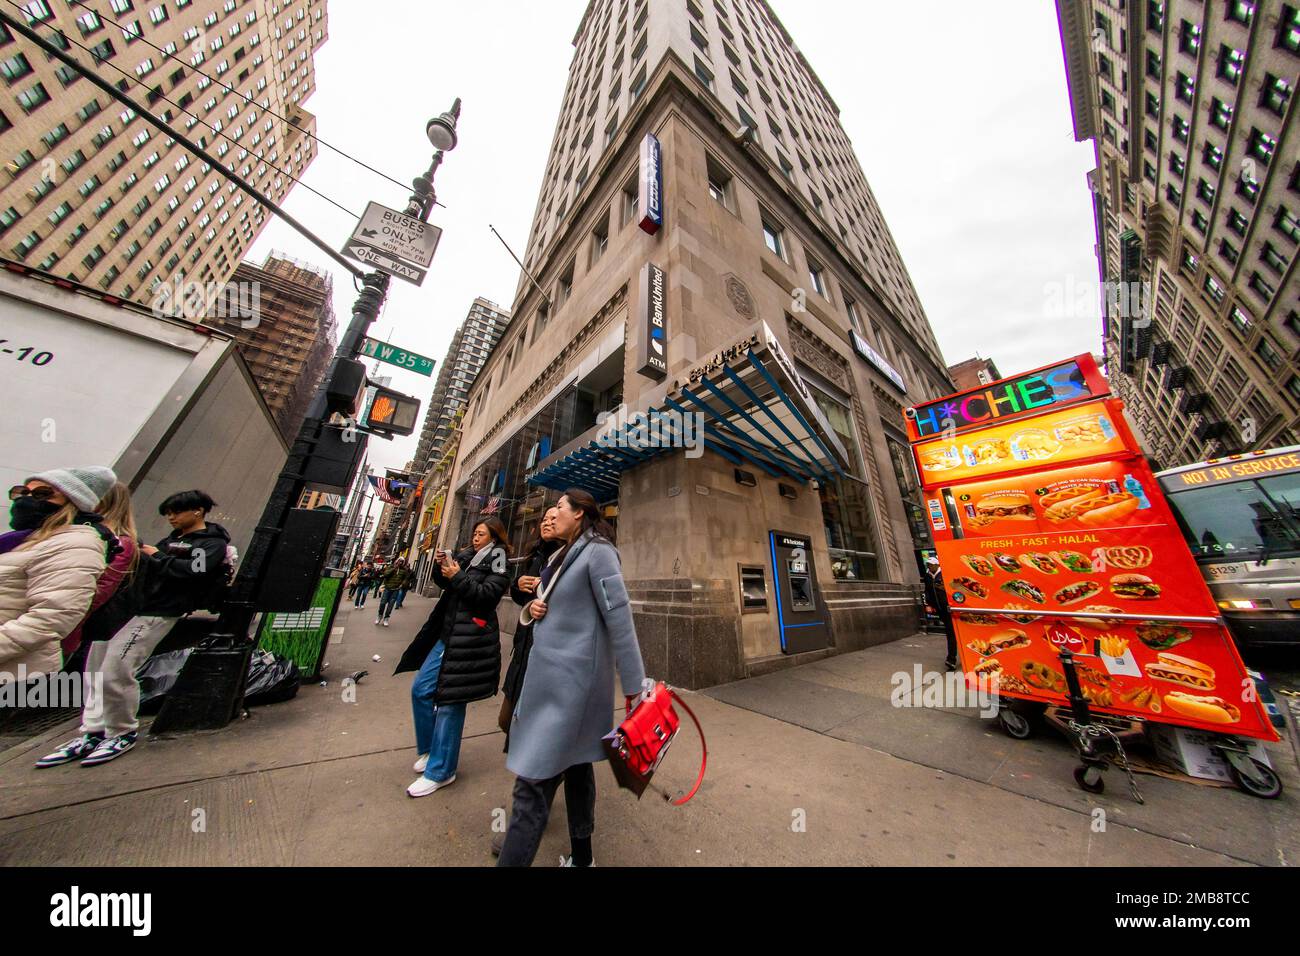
[1089,778]
[1015,724]
[1271,790]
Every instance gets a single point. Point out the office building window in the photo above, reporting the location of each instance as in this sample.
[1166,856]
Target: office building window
[1220,115]
[1286,222]
[720,184]
[817,276]
[704,73]
[1261,146]
[774,237]
[1230,63]
[1274,94]
[1259,285]
[1272,258]
[599,240]
[1288,28]
[1216,291]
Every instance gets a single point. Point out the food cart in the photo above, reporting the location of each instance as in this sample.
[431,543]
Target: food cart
[1072,591]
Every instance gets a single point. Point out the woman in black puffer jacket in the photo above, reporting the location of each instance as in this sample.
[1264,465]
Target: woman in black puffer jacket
[457,652]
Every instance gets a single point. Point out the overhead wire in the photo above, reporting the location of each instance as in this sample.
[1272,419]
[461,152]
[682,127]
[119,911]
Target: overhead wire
[139,82]
[247,99]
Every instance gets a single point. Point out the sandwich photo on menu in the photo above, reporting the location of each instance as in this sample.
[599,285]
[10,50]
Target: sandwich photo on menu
[1003,506]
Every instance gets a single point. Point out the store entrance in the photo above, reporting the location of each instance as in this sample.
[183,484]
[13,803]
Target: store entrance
[801,613]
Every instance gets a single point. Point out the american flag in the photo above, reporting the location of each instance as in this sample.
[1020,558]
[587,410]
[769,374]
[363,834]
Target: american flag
[491,507]
[384,489]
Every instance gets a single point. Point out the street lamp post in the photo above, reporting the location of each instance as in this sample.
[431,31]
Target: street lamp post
[237,615]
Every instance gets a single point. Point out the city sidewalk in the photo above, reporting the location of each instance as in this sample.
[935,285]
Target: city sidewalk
[808,766]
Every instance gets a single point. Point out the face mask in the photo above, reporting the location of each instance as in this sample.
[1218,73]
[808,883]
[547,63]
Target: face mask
[28,513]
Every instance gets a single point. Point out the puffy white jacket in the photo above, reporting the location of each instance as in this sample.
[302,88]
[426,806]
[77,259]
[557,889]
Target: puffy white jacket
[45,591]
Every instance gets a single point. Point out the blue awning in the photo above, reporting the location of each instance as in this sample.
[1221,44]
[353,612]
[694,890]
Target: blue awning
[747,404]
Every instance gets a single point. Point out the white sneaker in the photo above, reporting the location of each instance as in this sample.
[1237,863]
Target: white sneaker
[568,860]
[385,622]
[376,620]
[424,786]
[421,763]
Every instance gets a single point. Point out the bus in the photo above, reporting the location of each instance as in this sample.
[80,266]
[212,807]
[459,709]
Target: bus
[1240,516]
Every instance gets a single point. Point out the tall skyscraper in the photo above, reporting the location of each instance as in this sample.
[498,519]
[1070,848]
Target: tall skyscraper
[706,245]
[1191,111]
[290,340]
[469,349]
[96,194]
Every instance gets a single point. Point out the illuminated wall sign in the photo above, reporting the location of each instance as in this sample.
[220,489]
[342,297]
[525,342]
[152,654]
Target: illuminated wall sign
[650,197]
[654,332]
[1232,469]
[861,346]
[1009,398]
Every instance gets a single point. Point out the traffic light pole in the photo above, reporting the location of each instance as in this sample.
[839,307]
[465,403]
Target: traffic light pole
[237,615]
[239,611]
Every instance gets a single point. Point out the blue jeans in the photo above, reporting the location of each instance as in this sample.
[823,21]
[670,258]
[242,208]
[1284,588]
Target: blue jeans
[386,603]
[362,591]
[401,596]
[437,727]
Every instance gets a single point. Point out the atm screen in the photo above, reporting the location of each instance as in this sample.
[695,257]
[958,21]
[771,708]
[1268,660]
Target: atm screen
[801,592]
[798,567]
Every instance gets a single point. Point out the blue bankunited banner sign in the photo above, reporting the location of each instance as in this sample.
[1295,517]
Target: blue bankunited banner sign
[653,338]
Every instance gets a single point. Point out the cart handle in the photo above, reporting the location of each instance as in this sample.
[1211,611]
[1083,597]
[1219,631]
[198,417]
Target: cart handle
[1025,612]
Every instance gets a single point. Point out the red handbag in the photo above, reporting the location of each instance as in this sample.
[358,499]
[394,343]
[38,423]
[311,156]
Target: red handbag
[638,745]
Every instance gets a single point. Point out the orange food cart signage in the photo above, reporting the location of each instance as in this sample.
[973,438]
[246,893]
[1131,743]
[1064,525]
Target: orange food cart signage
[1053,437]
[1039,555]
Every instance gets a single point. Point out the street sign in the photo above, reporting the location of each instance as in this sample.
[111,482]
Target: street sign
[394,242]
[385,263]
[391,354]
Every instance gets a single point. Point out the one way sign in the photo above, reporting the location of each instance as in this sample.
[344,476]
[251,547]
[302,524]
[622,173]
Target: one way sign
[394,242]
[384,263]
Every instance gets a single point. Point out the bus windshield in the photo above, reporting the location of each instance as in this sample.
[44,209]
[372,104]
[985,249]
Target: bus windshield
[1248,519]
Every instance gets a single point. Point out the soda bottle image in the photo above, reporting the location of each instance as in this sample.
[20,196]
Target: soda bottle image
[1134,488]
[969,455]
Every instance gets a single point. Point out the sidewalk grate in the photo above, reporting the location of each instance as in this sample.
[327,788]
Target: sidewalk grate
[30,721]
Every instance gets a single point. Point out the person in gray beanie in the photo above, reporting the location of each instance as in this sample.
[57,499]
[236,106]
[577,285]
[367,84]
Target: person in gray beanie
[49,565]
[84,487]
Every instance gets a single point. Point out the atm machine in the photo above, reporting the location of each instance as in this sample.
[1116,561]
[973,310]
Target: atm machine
[801,614]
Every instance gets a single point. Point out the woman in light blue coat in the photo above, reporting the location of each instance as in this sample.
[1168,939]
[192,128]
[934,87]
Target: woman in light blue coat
[582,631]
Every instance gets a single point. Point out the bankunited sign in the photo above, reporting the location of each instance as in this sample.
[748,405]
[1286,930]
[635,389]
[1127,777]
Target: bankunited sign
[654,330]
[650,195]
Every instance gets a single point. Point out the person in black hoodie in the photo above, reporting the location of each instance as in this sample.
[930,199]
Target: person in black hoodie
[186,572]
[457,652]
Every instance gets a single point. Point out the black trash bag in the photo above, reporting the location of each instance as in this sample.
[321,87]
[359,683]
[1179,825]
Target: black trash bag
[271,679]
[157,676]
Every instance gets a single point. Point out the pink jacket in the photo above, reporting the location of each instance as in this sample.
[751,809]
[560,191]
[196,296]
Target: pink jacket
[109,581]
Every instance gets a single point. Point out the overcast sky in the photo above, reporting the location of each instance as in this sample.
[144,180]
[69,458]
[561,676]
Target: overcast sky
[961,124]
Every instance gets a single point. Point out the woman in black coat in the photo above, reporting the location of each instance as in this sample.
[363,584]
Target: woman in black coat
[457,652]
[522,591]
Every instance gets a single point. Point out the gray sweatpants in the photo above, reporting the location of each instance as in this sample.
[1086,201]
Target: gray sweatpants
[117,659]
